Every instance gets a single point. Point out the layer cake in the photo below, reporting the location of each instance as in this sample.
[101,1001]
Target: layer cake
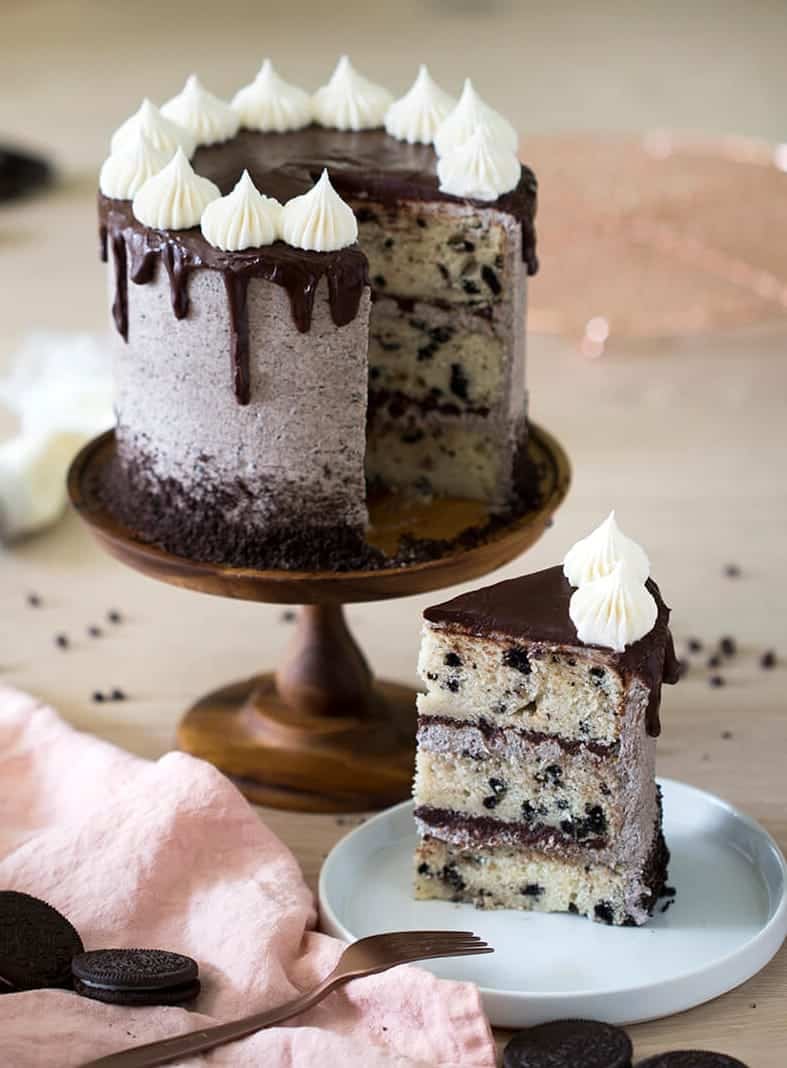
[262,389]
[535,784]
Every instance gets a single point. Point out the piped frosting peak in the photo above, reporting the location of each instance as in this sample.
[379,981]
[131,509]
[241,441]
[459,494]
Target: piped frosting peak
[125,172]
[243,219]
[613,611]
[349,101]
[319,220]
[207,118]
[480,168]
[470,113]
[272,104]
[175,198]
[416,117]
[163,134]
[596,555]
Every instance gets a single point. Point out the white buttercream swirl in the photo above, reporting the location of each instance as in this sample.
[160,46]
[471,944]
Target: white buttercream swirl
[175,198]
[480,168]
[614,611]
[270,103]
[164,135]
[125,172]
[209,119]
[596,555]
[470,113]
[416,117]
[349,101]
[243,219]
[319,220]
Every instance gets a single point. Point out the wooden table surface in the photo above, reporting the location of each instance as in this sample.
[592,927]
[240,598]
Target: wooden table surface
[686,438]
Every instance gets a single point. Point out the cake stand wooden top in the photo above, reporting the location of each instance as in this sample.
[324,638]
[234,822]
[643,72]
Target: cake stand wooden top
[391,516]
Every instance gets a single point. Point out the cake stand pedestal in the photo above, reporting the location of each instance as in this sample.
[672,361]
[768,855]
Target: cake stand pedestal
[320,734]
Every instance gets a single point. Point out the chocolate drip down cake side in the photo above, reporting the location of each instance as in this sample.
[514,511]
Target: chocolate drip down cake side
[535,785]
[314,296]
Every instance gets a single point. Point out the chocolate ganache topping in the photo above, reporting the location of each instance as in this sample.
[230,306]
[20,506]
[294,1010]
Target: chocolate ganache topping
[366,164]
[535,608]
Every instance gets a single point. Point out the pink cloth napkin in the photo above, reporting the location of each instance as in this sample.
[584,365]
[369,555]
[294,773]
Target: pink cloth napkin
[169,855]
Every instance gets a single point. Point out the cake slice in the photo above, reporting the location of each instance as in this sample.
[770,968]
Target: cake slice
[535,784]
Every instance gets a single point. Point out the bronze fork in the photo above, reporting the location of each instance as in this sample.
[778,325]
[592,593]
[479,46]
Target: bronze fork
[365,957]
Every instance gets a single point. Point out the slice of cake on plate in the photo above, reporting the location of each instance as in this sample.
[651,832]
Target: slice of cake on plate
[535,784]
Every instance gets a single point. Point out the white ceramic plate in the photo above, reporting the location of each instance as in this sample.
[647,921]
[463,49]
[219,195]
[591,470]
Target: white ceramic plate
[728,920]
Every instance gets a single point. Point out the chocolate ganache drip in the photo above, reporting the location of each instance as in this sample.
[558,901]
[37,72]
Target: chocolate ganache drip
[137,250]
[365,165]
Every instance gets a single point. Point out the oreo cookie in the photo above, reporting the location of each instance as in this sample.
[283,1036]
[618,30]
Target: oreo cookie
[691,1058]
[569,1044]
[37,944]
[136,977]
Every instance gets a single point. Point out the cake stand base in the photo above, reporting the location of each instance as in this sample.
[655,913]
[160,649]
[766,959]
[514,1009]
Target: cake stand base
[319,734]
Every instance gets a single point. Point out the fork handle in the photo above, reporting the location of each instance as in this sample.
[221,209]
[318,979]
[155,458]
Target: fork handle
[170,1049]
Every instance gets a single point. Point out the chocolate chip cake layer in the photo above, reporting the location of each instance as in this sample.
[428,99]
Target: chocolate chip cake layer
[536,755]
[243,431]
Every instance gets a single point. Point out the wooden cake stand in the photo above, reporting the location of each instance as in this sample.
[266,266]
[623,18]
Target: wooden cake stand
[320,734]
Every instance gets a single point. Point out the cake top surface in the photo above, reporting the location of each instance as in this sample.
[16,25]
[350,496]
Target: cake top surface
[535,608]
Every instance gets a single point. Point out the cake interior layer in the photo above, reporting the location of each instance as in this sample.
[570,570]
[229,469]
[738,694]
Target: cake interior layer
[455,253]
[573,693]
[574,798]
[445,456]
[441,359]
[527,879]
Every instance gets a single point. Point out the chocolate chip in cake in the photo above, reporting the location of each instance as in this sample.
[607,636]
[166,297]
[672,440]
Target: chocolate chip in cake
[596,820]
[423,869]
[491,279]
[603,911]
[728,646]
[597,672]
[528,811]
[431,676]
[517,659]
[444,272]
[768,660]
[491,802]
[450,875]
[716,681]
[421,222]
[470,287]
[426,352]
[364,215]
[498,787]
[569,1044]
[605,789]
[552,774]
[532,890]
[379,281]
[459,381]
[453,685]
[388,243]
[452,660]
[572,908]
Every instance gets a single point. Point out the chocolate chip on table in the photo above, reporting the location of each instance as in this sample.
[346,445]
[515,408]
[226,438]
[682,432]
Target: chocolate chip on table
[728,647]
[768,659]
[114,616]
[61,641]
[732,571]
[98,696]
[288,616]
[695,645]
[716,681]
[94,631]
[569,1044]
[117,695]
[34,600]
[714,661]
[726,735]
